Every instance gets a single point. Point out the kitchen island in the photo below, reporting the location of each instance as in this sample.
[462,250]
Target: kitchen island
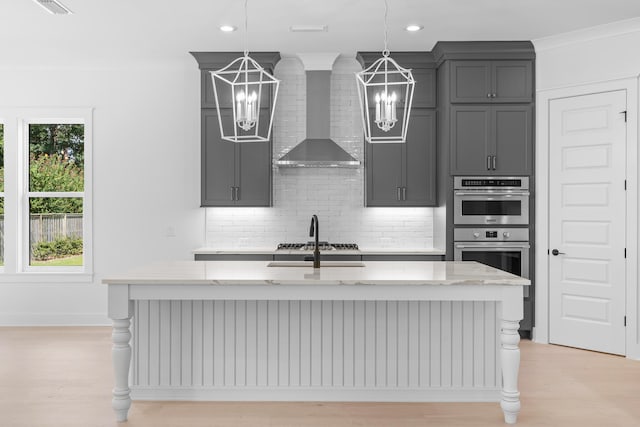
[378,331]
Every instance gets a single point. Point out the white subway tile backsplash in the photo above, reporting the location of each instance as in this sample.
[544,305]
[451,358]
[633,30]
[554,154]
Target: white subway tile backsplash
[335,195]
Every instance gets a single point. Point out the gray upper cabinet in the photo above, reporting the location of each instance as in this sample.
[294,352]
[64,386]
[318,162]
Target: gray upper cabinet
[233,174]
[491,81]
[404,174]
[491,139]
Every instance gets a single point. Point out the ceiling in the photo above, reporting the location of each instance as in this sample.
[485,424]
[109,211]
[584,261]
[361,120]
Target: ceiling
[111,30]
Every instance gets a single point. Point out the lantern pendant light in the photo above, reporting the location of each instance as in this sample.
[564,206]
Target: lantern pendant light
[385,90]
[245,86]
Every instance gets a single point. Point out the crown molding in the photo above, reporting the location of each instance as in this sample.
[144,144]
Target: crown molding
[604,31]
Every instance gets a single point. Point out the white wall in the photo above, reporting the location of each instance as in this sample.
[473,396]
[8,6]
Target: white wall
[591,60]
[596,54]
[335,195]
[146,179]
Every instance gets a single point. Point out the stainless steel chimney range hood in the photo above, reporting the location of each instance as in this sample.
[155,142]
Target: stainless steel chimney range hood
[318,150]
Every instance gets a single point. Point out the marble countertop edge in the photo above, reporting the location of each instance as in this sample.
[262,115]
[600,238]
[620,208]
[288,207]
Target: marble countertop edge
[361,251]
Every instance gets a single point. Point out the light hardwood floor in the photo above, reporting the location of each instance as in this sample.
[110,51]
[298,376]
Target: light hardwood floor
[63,377]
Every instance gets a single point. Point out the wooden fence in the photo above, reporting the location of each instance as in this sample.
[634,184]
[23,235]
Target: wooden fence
[48,227]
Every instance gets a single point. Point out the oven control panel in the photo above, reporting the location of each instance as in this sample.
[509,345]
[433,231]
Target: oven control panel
[500,183]
[491,234]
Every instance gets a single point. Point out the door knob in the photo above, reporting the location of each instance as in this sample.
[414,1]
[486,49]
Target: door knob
[556,252]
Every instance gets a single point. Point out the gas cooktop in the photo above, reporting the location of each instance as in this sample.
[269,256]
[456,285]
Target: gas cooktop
[323,246]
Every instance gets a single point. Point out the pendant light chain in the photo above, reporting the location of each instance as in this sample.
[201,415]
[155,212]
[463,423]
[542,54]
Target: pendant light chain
[385,52]
[246,29]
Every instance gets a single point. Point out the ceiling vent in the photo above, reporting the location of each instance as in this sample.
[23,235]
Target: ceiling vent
[308,28]
[54,7]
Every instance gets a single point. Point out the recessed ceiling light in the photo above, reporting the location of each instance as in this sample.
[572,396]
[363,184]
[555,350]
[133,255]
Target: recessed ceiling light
[54,7]
[228,28]
[413,27]
[308,28]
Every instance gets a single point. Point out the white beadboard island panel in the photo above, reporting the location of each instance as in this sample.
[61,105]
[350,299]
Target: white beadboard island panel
[384,331]
[309,350]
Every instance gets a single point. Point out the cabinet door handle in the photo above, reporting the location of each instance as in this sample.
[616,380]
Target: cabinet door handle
[488,95]
[404,193]
[494,162]
[237,193]
[233,193]
[398,195]
[493,95]
[488,163]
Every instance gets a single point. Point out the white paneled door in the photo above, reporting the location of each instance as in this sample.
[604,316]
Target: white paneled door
[587,150]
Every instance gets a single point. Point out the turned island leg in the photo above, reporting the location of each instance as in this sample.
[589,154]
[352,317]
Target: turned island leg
[510,359]
[121,311]
[121,352]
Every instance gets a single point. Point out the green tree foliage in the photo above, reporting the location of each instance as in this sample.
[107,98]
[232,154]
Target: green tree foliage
[64,139]
[54,173]
[56,163]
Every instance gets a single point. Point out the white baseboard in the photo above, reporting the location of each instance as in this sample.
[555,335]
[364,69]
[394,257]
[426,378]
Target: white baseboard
[54,319]
[321,394]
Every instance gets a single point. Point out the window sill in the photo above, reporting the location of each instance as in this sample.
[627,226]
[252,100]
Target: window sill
[46,277]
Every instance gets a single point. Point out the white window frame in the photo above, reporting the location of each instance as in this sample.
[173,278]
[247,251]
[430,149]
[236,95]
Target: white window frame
[16,123]
[2,196]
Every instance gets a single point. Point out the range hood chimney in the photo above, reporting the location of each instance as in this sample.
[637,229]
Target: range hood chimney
[318,150]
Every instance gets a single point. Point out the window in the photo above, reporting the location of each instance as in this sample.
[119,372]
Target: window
[55,195]
[46,192]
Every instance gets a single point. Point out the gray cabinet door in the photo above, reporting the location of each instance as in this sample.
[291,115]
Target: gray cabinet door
[491,139]
[512,131]
[491,81]
[384,174]
[218,163]
[420,160]
[512,81]
[253,170]
[470,81]
[470,139]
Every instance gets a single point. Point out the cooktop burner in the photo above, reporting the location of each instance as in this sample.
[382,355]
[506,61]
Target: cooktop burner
[323,246]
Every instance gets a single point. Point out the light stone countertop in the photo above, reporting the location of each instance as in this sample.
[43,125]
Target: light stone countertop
[373,273]
[361,251]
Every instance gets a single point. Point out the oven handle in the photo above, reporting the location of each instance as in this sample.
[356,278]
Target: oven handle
[494,247]
[492,193]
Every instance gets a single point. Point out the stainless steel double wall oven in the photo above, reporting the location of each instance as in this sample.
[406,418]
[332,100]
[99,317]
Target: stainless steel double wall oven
[491,225]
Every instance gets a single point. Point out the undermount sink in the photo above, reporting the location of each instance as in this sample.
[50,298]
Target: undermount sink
[323,264]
